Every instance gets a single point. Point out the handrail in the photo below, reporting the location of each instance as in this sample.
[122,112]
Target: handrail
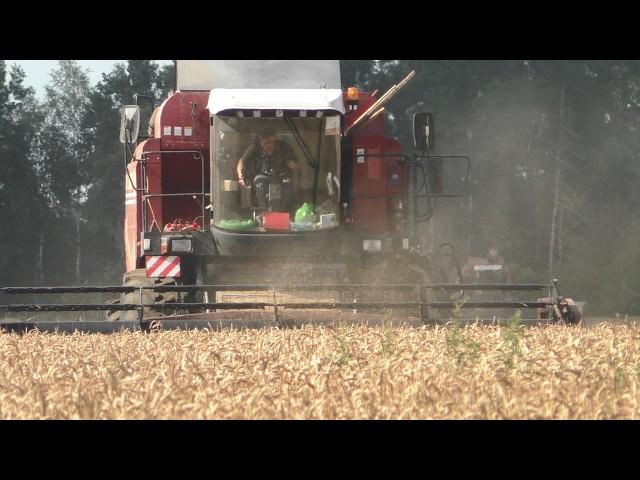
[271,290]
[146,195]
[269,287]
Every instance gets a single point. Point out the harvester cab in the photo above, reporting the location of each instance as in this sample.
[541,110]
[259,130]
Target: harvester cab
[268,163]
[264,193]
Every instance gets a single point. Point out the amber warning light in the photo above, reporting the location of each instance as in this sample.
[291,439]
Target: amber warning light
[352,94]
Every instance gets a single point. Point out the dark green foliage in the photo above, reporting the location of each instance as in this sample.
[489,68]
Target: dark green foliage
[105,208]
[61,171]
[21,204]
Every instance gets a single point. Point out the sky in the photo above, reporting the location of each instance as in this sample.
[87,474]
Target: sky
[37,71]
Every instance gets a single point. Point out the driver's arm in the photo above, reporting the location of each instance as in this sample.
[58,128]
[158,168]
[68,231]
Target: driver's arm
[289,156]
[239,170]
[244,162]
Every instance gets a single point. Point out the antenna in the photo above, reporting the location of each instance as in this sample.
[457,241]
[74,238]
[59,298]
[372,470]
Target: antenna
[175,75]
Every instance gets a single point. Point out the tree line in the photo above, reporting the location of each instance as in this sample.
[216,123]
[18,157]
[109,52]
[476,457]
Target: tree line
[554,146]
[61,172]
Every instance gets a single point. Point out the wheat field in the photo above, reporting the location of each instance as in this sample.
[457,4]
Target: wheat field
[341,372]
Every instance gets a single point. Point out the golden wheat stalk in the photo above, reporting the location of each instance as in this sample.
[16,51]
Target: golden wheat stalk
[323,373]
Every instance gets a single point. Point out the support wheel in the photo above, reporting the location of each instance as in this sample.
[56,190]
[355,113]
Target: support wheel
[571,314]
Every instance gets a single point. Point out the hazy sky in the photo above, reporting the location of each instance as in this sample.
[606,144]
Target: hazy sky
[37,71]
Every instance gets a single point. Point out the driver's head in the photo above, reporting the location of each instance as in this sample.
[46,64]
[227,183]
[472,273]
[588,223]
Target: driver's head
[267,137]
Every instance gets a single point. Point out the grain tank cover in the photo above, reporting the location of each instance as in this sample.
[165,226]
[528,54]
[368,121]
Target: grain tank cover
[210,74]
[275,98]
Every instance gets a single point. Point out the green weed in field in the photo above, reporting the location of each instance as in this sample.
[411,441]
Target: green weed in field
[463,349]
[511,339]
[343,348]
[387,340]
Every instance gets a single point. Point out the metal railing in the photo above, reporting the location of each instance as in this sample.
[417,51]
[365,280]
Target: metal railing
[347,290]
[146,196]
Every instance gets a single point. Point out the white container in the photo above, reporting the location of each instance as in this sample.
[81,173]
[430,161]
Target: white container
[328,220]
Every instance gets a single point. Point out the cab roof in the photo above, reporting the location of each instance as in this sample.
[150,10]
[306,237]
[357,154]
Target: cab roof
[221,99]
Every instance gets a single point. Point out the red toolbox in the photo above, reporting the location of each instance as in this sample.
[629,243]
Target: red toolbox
[275,221]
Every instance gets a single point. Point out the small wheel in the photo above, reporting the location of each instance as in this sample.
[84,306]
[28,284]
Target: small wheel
[571,314]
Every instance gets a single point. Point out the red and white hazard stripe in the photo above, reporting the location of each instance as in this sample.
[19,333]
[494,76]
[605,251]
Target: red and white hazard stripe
[163,266]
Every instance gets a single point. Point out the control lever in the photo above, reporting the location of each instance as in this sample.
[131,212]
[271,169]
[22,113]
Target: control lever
[330,184]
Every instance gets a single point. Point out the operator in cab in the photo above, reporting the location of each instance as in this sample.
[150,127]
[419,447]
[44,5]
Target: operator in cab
[268,165]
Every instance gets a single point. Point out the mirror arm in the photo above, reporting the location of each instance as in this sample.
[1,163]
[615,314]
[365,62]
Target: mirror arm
[151,102]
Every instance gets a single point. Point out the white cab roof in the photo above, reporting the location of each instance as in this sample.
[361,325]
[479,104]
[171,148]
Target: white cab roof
[275,99]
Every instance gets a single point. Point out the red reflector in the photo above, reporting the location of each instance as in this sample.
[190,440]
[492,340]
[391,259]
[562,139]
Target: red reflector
[275,221]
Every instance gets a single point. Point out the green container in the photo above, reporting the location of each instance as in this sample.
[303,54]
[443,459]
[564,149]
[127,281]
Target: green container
[238,224]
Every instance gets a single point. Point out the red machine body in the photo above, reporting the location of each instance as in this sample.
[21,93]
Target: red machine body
[379,174]
[175,161]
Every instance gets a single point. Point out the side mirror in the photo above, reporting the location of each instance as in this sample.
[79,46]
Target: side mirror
[448,175]
[424,136]
[129,124]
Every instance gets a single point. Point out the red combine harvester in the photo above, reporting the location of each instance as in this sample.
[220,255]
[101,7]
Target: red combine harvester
[264,193]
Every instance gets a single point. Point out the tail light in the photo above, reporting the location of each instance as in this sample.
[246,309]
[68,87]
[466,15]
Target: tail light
[173,244]
[182,245]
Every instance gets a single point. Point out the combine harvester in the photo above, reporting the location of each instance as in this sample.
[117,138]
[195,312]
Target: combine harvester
[317,223]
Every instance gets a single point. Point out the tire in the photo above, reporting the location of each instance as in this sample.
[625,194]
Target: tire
[138,278]
[573,315]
